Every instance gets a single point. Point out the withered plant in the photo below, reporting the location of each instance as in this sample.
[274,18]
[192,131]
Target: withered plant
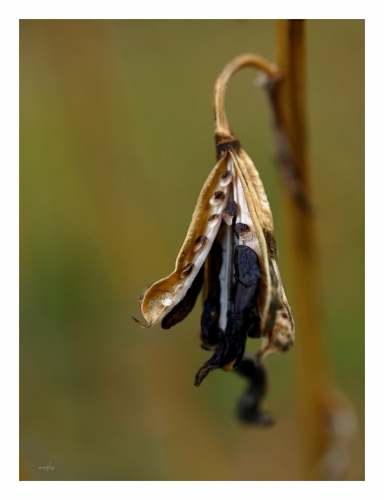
[230,253]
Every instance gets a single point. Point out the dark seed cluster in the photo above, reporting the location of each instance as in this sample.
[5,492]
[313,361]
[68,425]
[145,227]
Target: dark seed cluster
[232,280]
[241,317]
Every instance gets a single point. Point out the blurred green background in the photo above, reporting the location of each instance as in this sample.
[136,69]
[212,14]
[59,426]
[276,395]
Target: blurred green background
[116,140]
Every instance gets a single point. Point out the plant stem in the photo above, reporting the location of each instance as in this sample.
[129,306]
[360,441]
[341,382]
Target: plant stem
[319,403]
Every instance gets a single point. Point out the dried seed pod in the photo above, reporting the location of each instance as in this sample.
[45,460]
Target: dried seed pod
[242,285]
[270,316]
[161,297]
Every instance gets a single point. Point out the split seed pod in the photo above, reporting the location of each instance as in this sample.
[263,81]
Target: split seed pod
[230,249]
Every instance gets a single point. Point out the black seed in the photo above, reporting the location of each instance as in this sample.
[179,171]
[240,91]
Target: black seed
[219,195]
[249,407]
[199,242]
[243,232]
[215,259]
[252,319]
[213,218]
[230,345]
[241,228]
[210,332]
[226,178]
[216,249]
[230,350]
[247,267]
[245,290]
[230,212]
[201,239]
[187,270]
[231,209]
[185,306]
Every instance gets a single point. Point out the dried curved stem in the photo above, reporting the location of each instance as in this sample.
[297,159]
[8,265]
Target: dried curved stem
[286,160]
[222,128]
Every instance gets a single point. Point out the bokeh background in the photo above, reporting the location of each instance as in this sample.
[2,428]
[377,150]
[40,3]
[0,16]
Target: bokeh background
[116,140]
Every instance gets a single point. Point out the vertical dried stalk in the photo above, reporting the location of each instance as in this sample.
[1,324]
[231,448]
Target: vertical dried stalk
[325,421]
